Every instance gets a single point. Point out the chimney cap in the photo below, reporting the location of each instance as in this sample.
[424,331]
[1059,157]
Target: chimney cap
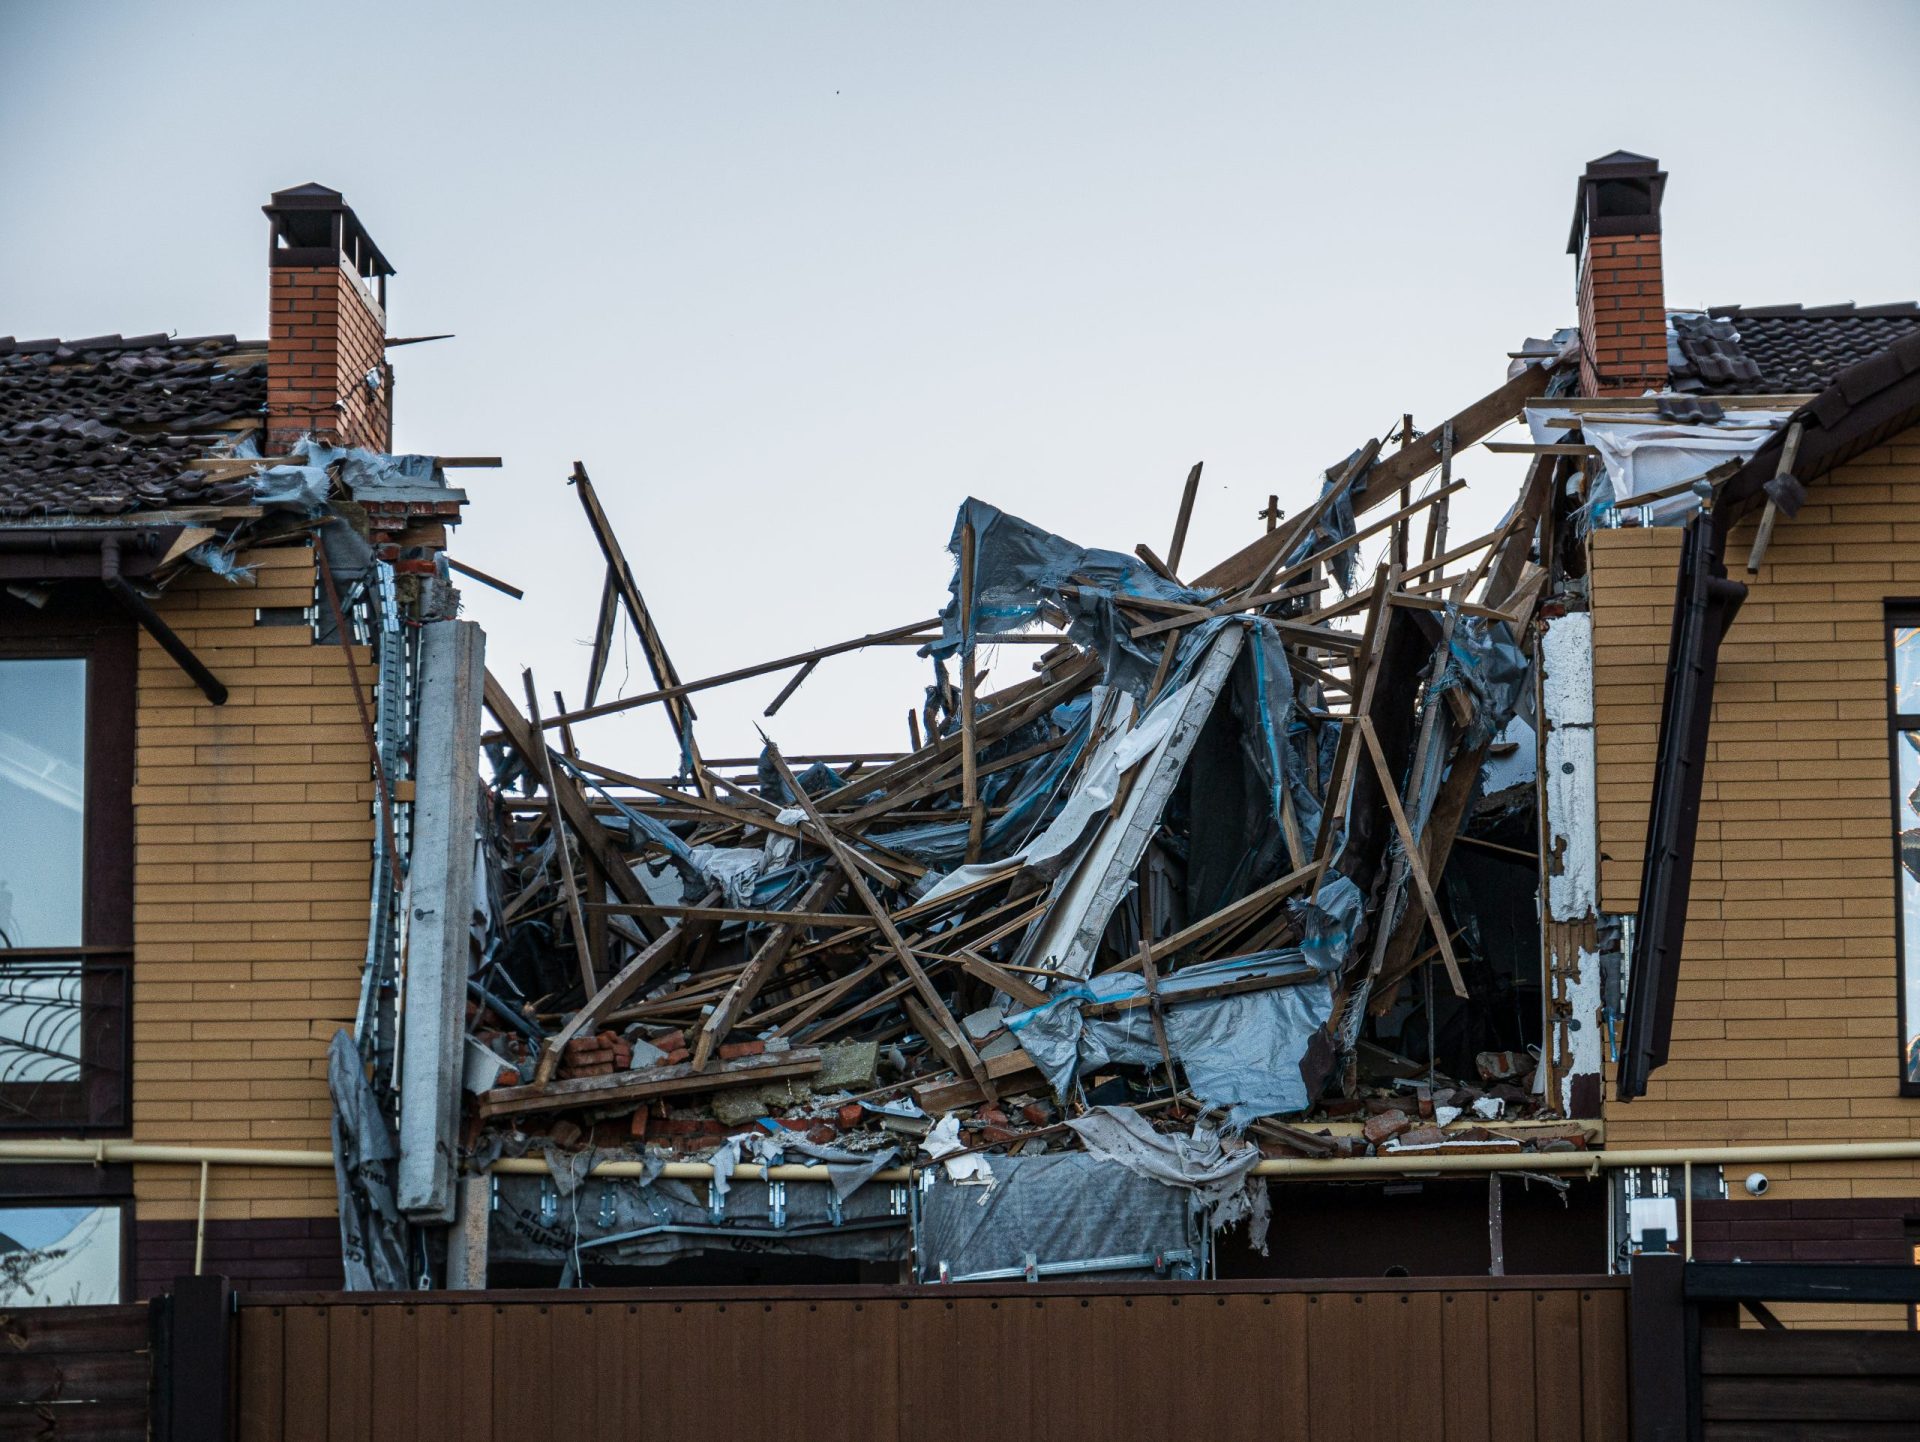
[318,227]
[1618,194]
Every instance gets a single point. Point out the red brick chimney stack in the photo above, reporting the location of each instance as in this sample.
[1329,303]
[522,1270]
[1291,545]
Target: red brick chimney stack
[327,371]
[1616,245]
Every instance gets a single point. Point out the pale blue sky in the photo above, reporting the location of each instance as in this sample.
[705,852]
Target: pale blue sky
[792,280]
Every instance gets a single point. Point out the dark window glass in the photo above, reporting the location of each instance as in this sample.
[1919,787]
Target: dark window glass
[43,800]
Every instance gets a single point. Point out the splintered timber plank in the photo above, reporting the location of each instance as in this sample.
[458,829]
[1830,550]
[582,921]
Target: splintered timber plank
[1179,546]
[1471,425]
[1346,760]
[1442,831]
[576,918]
[573,801]
[1302,525]
[623,984]
[969,682]
[1249,905]
[678,689]
[647,1083]
[658,661]
[838,849]
[769,956]
[1410,848]
[602,637]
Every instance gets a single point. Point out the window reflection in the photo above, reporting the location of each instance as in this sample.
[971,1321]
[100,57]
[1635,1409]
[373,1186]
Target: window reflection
[1907,750]
[59,1256]
[43,736]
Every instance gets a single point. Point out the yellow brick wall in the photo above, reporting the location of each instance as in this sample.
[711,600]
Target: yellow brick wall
[1785,1027]
[252,841]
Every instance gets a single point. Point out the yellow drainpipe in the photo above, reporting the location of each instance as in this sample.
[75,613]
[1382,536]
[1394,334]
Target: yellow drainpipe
[1295,1168]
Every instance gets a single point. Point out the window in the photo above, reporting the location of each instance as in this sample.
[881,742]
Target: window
[61,1255]
[1903,668]
[66,864]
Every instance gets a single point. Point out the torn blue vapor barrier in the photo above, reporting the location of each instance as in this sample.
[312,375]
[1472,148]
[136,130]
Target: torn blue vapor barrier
[1278,758]
[1335,524]
[1331,922]
[221,561]
[1018,568]
[1483,658]
[818,779]
[305,481]
[1035,788]
[1241,1053]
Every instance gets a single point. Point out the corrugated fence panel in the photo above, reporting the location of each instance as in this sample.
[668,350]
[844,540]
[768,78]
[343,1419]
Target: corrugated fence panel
[1470,1360]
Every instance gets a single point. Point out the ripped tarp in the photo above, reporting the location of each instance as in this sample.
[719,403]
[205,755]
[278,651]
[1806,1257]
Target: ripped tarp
[304,482]
[1334,524]
[1217,1172]
[1641,453]
[1054,848]
[1241,1053]
[1018,568]
[372,1231]
[1022,797]
[1482,658]
[1067,1207]
[1082,901]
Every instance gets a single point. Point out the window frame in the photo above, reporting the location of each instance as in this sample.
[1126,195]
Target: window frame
[69,1184]
[86,625]
[1900,615]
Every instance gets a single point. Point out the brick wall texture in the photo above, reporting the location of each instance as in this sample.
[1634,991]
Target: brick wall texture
[325,333]
[289,1254]
[253,832]
[1785,1029]
[1623,318]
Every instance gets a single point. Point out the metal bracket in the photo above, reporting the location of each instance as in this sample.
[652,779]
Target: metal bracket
[607,1214]
[836,1212]
[549,1201]
[716,1203]
[777,1203]
[897,1200]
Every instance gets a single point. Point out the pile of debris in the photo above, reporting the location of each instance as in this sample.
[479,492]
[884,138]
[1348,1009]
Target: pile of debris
[1196,865]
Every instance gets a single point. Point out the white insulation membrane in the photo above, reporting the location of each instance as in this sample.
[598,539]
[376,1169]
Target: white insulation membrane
[1641,454]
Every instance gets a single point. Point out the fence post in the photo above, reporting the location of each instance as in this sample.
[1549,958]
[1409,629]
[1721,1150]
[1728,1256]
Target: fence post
[1657,1357]
[193,1361]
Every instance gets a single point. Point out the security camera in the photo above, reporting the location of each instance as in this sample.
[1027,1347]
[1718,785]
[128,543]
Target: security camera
[1757,1184]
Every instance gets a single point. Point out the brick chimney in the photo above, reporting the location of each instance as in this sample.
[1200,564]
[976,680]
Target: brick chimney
[327,370]
[1616,245]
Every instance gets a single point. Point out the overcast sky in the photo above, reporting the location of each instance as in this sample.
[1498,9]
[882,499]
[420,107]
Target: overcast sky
[793,280]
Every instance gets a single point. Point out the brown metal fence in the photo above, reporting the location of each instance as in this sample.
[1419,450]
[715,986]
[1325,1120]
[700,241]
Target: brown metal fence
[1482,1358]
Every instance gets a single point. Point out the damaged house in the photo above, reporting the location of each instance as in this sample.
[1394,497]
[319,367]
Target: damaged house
[1377,900]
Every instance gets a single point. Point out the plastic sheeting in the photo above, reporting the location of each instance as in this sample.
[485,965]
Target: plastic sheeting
[1335,524]
[1639,454]
[1482,657]
[1219,1174]
[626,1221]
[1064,1207]
[1241,1053]
[1018,568]
[304,483]
[372,1231]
